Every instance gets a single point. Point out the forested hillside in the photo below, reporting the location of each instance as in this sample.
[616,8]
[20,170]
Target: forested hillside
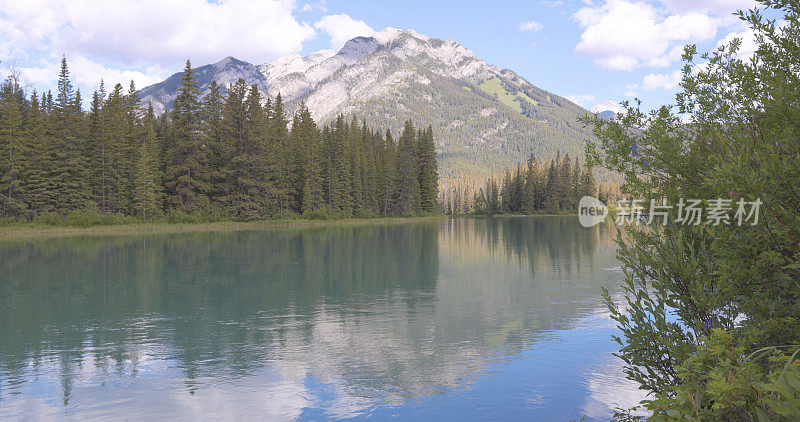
[532,187]
[229,157]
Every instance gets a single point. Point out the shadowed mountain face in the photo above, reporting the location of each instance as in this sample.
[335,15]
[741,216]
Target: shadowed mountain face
[226,72]
[484,118]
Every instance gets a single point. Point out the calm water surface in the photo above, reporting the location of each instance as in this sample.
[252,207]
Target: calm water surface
[463,319]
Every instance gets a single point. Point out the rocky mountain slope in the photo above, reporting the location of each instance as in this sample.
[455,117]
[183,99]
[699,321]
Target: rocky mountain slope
[484,118]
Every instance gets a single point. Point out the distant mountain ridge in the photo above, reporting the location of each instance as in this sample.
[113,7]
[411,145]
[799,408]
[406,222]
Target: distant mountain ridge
[607,109]
[484,118]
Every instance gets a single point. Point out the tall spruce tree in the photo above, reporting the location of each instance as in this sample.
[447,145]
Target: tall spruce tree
[116,154]
[67,162]
[339,183]
[389,167]
[33,175]
[147,196]
[428,171]
[551,201]
[529,202]
[219,151]
[233,134]
[279,155]
[587,185]
[406,190]
[12,149]
[308,172]
[186,169]
[313,187]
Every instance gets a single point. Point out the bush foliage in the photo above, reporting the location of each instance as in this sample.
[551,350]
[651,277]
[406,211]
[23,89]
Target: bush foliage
[711,313]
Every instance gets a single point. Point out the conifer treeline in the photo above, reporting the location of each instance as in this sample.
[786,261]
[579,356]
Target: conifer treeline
[233,157]
[532,187]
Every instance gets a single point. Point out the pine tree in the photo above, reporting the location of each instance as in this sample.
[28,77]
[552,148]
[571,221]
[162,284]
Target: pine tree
[233,134]
[94,147]
[588,186]
[116,152]
[313,194]
[12,145]
[388,165]
[551,202]
[339,189]
[186,178]
[68,164]
[575,184]
[565,183]
[519,189]
[235,154]
[529,200]
[35,183]
[304,139]
[214,137]
[249,189]
[278,150]
[131,141]
[369,171]
[146,185]
[505,193]
[259,172]
[406,191]
[428,172]
[493,196]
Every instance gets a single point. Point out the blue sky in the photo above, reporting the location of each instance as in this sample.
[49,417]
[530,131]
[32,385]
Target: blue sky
[587,50]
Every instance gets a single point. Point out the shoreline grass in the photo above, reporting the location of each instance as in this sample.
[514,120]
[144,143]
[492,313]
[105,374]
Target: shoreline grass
[23,231]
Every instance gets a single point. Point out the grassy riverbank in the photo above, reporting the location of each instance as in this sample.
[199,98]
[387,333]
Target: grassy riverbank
[30,230]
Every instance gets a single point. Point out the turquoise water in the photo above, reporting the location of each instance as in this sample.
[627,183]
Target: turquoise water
[460,319]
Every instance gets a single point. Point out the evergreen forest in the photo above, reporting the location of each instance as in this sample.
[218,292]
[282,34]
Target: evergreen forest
[236,157]
[532,187]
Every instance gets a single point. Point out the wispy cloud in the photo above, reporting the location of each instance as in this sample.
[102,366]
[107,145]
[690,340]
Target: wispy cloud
[341,28]
[626,34]
[531,26]
[582,99]
[320,6]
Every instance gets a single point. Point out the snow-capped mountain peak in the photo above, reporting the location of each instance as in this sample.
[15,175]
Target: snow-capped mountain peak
[394,75]
[608,105]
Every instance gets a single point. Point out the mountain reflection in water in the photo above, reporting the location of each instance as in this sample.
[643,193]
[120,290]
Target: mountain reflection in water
[449,318]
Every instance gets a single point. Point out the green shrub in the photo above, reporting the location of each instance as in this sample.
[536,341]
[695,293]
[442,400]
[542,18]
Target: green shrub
[12,221]
[316,215]
[180,217]
[710,318]
[87,217]
[47,219]
[364,213]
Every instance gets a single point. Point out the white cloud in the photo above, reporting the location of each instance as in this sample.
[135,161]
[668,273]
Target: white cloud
[87,74]
[320,6]
[632,90]
[665,81]
[714,6]
[748,46]
[624,35]
[608,105]
[144,40]
[655,81]
[531,26]
[342,28]
[151,31]
[552,3]
[581,99]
